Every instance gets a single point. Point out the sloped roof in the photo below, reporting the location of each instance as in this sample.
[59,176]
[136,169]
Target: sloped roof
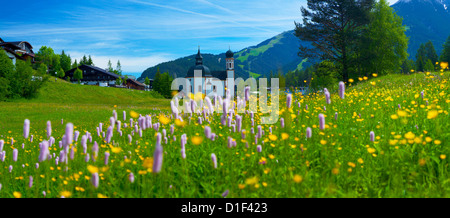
[102,70]
[20,42]
[135,82]
[222,75]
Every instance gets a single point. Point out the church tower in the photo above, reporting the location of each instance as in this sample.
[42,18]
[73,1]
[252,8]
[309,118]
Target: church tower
[230,64]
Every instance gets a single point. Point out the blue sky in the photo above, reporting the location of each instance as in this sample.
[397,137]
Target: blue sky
[143,33]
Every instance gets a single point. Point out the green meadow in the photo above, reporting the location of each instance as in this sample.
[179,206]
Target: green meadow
[408,156]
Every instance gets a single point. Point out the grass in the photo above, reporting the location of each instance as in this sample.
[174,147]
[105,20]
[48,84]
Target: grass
[258,50]
[408,158]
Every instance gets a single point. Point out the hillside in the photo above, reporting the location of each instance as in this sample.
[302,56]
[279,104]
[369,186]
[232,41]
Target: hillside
[425,20]
[62,92]
[279,52]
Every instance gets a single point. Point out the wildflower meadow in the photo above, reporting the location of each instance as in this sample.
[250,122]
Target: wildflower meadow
[364,138]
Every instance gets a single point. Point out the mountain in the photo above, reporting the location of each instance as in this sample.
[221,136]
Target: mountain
[276,53]
[425,20]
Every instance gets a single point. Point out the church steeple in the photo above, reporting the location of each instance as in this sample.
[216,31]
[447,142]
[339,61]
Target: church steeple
[198,58]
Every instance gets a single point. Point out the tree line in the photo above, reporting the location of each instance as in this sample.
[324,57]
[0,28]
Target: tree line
[352,39]
[162,83]
[20,80]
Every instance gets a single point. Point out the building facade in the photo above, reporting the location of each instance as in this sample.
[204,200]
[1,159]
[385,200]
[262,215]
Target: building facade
[18,50]
[93,75]
[208,82]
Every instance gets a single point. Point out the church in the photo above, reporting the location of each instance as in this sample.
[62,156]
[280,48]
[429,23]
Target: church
[208,82]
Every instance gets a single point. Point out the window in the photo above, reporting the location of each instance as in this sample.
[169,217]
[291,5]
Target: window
[214,88]
[199,88]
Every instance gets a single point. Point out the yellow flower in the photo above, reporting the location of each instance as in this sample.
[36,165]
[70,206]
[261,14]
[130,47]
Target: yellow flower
[422,162]
[273,137]
[432,114]
[251,181]
[164,119]
[196,140]
[402,113]
[350,80]
[66,194]
[374,75]
[180,123]
[148,163]
[394,116]
[101,196]
[116,149]
[442,156]
[437,142]
[335,171]
[134,114]
[17,194]
[410,135]
[323,142]
[371,150]
[351,164]
[271,156]
[298,178]
[92,169]
[284,136]
[241,186]
[360,160]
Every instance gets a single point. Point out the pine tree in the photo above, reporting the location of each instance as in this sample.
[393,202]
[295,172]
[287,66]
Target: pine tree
[118,68]
[75,64]
[110,68]
[430,53]
[65,61]
[429,66]
[90,62]
[157,81]
[421,58]
[445,54]
[332,27]
[83,60]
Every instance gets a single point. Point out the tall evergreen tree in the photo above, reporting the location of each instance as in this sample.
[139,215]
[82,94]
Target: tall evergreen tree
[65,61]
[157,81]
[89,61]
[119,68]
[75,64]
[332,27]
[445,54]
[83,60]
[421,58]
[430,52]
[110,68]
